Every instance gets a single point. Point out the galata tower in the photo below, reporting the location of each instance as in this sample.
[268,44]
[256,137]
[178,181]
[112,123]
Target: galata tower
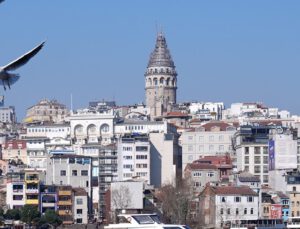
[160,80]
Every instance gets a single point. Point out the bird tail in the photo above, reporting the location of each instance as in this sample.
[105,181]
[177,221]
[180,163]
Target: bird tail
[13,78]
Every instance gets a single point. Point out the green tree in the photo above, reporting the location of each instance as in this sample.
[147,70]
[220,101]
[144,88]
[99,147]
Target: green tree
[14,214]
[50,218]
[30,214]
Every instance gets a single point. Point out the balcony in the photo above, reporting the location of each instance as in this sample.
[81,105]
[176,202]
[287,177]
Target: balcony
[65,202]
[32,201]
[65,193]
[32,191]
[47,205]
[64,212]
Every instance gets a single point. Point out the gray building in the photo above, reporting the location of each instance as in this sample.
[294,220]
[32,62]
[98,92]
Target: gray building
[8,115]
[69,169]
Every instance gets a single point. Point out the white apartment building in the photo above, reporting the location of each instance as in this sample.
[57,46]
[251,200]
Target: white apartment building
[134,158]
[8,114]
[207,110]
[80,208]
[36,152]
[49,130]
[15,194]
[227,204]
[213,138]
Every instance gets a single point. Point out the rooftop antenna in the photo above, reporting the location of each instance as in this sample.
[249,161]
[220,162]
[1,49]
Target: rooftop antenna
[71,103]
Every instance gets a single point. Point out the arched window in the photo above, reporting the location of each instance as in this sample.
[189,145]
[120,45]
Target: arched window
[155,70]
[168,81]
[155,81]
[150,82]
[173,82]
[104,128]
[78,130]
[91,129]
[161,81]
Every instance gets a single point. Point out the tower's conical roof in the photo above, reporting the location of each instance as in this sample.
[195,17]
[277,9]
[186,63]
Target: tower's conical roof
[161,57]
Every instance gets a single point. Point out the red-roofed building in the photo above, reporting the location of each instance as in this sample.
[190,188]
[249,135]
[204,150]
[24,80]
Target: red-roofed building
[209,169]
[15,150]
[224,204]
[211,139]
[177,118]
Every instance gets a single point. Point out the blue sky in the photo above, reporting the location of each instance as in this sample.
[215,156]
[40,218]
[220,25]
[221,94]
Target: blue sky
[230,51]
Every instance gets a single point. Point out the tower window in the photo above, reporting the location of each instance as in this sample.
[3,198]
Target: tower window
[155,81]
[161,81]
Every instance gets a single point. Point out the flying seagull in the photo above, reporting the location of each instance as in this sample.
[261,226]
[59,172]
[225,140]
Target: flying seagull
[10,78]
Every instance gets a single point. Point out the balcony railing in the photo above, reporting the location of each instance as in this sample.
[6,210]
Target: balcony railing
[65,202]
[64,193]
[32,201]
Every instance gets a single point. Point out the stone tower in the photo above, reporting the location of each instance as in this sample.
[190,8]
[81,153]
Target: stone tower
[160,79]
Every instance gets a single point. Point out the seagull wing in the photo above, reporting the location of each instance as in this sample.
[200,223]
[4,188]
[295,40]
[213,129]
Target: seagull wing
[23,59]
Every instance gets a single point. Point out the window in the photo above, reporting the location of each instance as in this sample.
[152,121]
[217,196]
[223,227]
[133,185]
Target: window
[190,148]
[223,199]
[257,159]
[197,184]
[247,168]
[201,148]
[79,211]
[63,172]
[210,174]
[197,174]
[245,211]
[266,159]
[250,199]
[211,147]
[265,150]
[265,168]
[211,138]
[256,150]
[221,211]
[201,138]
[294,189]
[84,173]
[265,178]
[190,138]
[74,172]
[141,157]
[221,148]
[237,199]
[228,211]
[246,159]
[221,137]
[251,211]
[236,211]
[79,220]
[141,148]
[257,168]
[246,150]
[79,201]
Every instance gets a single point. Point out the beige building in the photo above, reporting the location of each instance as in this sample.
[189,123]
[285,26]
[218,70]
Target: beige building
[165,158]
[46,111]
[15,150]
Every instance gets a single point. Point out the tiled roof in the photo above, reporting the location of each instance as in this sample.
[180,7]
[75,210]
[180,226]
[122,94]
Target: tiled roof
[201,166]
[79,192]
[234,190]
[176,114]
[220,124]
[15,144]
